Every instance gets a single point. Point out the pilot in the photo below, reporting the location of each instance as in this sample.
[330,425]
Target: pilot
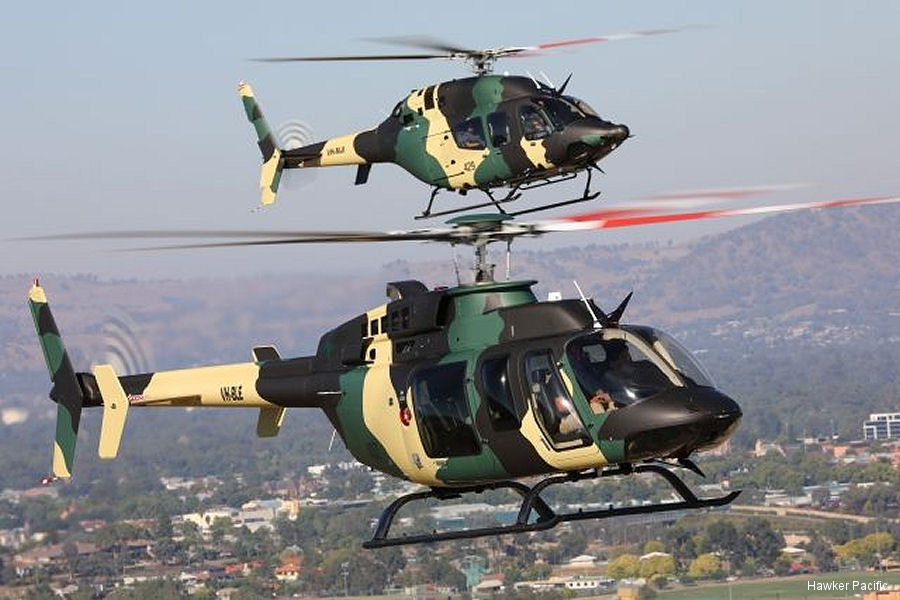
[620,371]
[469,138]
[535,127]
[601,402]
[568,420]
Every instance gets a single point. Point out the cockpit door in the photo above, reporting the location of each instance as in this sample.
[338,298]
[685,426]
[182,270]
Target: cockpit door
[553,422]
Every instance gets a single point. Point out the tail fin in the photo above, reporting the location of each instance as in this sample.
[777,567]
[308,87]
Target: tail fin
[66,391]
[273,161]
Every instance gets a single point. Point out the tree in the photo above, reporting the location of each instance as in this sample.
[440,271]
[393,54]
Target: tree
[657,565]
[625,566]
[822,552]
[782,566]
[680,543]
[654,546]
[705,566]
[723,537]
[761,542]
[867,549]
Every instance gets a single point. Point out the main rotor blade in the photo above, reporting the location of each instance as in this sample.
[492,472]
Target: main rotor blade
[424,42]
[474,232]
[307,239]
[613,37]
[589,222]
[685,199]
[352,57]
[728,193]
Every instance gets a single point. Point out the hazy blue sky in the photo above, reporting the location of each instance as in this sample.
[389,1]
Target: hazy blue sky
[124,115]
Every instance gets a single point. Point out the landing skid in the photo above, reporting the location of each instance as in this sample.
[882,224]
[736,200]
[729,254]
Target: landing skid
[547,518]
[515,194]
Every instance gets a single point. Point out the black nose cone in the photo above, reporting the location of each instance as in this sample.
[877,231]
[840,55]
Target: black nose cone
[617,133]
[674,423]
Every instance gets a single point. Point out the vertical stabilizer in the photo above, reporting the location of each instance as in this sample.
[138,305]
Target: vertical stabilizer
[66,392]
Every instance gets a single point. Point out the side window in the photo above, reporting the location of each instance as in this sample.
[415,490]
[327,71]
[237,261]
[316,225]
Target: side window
[498,128]
[469,134]
[551,402]
[442,412]
[534,124]
[500,403]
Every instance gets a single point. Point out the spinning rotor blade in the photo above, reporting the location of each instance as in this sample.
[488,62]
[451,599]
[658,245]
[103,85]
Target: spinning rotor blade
[442,49]
[423,42]
[352,57]
[614,37]
[699,197]
[477,229]
[591,221]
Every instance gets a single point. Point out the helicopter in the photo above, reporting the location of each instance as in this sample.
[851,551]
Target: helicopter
[460,389]
[477,133]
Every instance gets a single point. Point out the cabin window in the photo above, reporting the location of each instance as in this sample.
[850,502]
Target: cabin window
[373,327]
[469,134]
[442,411]
[498,128]
[407,119]
[552,403]
[500,403]
[534,123]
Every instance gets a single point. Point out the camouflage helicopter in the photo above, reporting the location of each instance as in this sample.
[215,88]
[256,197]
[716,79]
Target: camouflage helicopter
[459,389]
[478,133]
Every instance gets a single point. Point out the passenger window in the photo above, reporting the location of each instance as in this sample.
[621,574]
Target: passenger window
[500,403]
[551,402]
[469,134]
[442,412]
[498,128]
[373,327]
[534,124]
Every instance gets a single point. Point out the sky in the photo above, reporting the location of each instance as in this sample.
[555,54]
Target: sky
[126,116]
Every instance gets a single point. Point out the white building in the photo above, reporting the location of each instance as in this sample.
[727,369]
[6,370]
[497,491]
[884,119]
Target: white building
[882,426]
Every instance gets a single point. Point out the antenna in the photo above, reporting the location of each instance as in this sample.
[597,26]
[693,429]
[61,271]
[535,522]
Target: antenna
[331,443]
[456,264]
[587,305]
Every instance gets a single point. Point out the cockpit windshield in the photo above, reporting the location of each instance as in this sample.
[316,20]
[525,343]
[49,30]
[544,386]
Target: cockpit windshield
[582,106]
[674,353]
[561,113]
[613,371]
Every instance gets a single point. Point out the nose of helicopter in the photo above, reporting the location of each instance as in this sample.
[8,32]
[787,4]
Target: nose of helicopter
[613,134]
[595,138]
[674,423]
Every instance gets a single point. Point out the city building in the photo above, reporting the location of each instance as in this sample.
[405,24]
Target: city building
[882,426]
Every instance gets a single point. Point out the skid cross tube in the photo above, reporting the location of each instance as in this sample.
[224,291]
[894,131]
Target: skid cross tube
[547,518]
[514,194]
[380,539]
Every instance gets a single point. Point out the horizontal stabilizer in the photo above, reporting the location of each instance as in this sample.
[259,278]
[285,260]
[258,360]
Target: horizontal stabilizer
[115,409]
[270,419]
